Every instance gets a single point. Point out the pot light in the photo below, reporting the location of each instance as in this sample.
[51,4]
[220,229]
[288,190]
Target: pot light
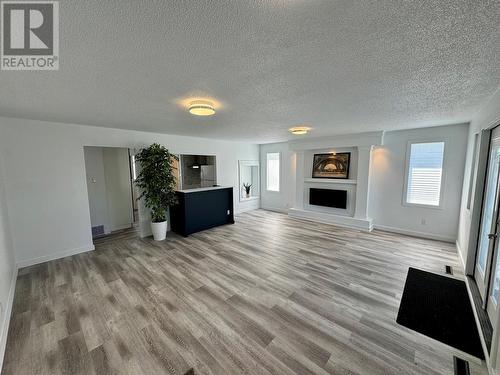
[299,130]
[201,108]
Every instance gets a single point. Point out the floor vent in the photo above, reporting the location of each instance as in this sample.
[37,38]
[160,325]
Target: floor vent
[97,230]
[449,270]
[461,366]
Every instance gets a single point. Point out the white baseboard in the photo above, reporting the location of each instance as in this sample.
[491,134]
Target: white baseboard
[4,329]
[460,255]
[276,209]
[48,258]
[246,208]
[120,227]
[321,217]
[430,236]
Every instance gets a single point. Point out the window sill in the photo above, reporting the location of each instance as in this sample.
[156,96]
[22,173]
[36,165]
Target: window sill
[416,205]
[486,329]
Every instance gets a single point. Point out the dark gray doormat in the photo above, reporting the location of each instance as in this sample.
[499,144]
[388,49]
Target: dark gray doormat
[439,307]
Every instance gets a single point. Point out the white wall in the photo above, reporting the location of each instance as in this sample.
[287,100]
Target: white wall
[387,172]
[46,186]
[387,185]
[118,187]
[7,267]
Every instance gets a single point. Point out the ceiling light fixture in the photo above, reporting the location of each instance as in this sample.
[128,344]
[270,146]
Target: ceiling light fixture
[299,130]
[201,108]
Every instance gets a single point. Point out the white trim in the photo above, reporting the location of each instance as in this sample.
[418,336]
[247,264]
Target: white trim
[473,171]
[276,209]
[419,205]
[331,181]
[122,227]
[460,256]
[248,164]
[407,173]
[48,258]
[406,232]
[6,320]
[251,198]
[342,221]
[247,208]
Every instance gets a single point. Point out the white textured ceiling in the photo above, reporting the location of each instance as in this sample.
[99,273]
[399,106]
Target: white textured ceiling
[337,66]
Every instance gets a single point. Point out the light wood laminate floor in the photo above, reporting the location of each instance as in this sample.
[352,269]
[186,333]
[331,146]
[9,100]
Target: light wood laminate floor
[268,295]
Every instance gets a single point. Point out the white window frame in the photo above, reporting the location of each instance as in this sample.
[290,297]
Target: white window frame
[407,175]
[279,172]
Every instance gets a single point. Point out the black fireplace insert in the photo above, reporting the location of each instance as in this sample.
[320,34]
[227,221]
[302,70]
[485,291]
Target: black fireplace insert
[328,198]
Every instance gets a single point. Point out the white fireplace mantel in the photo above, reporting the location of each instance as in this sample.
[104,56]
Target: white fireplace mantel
[330,181]
[354,217]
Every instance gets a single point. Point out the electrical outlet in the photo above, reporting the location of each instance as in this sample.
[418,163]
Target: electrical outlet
[423,222]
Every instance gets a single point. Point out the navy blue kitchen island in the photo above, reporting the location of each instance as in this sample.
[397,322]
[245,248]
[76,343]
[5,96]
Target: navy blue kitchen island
[200,209]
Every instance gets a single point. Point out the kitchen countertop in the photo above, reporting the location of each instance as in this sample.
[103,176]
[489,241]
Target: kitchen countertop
[204,189]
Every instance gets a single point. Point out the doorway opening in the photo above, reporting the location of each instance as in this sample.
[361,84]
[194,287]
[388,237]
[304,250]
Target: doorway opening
[110,173]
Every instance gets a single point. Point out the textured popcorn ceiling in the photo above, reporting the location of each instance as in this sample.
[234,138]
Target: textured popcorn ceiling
[336,66]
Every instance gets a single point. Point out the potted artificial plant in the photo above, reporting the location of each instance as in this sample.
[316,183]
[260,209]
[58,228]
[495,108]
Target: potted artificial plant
[157,184]
[247,188]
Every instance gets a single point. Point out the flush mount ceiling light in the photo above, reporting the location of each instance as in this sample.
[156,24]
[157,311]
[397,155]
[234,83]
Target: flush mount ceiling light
[201,108]
[299,130]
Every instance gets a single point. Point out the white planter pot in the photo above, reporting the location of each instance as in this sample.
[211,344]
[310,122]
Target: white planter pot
[159,230]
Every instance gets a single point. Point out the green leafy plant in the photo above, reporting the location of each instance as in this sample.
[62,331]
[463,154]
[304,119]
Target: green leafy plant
[247,187]
[156,180]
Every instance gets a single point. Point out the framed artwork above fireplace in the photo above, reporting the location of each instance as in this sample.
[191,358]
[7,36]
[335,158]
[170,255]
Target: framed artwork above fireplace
[334,165]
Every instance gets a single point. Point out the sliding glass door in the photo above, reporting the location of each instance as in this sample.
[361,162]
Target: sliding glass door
[487,267]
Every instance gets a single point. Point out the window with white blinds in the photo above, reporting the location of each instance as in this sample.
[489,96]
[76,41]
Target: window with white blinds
[425,172]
